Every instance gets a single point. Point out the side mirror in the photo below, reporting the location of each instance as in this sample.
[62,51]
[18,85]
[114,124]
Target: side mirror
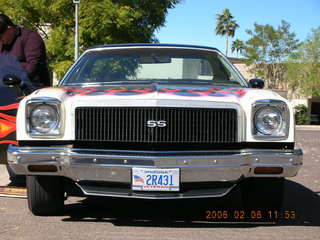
[12,80]
[20,88]
[256,83]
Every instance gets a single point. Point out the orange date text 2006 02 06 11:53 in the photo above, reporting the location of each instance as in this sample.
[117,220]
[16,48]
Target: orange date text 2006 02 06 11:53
[250,215]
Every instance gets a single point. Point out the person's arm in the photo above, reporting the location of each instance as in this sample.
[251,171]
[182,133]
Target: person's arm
[33,51]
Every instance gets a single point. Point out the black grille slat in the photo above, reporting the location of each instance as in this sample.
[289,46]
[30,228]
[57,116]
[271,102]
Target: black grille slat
[184,125]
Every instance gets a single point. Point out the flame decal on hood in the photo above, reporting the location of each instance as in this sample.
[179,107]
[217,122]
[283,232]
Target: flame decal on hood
[213,92]
[121,91]
[179,91]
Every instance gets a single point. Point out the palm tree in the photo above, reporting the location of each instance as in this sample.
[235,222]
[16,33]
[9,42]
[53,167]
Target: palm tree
[226,26]
[238,46]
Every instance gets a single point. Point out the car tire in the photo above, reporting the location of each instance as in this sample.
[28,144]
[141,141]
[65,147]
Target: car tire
[45,195]
[262,193]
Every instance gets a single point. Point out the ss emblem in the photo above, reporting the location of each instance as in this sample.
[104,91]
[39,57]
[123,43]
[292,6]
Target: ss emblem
[154,123]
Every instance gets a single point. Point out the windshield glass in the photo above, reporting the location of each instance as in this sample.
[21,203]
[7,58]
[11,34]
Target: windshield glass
[147,65]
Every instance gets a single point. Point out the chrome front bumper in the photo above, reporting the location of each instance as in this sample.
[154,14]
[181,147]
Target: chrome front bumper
[95,165]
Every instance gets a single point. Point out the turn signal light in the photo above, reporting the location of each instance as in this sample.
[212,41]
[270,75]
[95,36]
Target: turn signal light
[268,170]
[42,168]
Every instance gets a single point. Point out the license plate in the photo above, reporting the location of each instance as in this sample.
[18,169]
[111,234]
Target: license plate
[155,179]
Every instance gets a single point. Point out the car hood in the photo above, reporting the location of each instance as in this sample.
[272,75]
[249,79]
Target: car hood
[130,92]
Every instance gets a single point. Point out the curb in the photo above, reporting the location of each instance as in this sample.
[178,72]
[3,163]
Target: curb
[4,176]
[308,127]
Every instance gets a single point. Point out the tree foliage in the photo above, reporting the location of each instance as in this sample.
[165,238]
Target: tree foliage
[238,46]
[100,22]
[226,26]
[268,49]
[304,66]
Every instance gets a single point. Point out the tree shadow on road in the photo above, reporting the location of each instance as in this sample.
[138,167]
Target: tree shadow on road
[301,207]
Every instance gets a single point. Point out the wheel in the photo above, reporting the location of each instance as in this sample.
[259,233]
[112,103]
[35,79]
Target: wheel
[262,193]
[45,195]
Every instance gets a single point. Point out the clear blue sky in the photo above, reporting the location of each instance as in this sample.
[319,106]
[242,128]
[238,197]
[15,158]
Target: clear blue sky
[194,21]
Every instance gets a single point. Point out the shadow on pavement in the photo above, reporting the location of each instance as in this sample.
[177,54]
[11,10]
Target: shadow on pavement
[301,208]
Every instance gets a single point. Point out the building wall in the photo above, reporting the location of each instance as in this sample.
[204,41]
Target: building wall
[244,70]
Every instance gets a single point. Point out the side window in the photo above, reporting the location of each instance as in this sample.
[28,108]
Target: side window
[206,69]
[197,68]
[220,73]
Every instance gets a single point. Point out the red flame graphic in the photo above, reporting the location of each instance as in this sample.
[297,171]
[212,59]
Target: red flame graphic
[9,107]
[7,124]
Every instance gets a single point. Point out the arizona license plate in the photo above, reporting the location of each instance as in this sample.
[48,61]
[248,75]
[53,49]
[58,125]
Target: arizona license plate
[155,179]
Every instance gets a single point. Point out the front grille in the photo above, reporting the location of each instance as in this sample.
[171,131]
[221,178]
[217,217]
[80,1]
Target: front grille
[129,124]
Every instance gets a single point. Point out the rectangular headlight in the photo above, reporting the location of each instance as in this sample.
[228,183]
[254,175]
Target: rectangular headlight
[270,119]
[43,117]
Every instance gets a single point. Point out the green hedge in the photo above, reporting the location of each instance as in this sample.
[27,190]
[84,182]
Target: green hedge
[301,114]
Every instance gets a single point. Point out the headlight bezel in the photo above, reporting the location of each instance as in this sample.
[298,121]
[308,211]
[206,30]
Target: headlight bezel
[282,132]
[31,105]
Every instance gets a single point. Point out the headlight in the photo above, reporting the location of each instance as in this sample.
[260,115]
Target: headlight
[43,117]
[270,119]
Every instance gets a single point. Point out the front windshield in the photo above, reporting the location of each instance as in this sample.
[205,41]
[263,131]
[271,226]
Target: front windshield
[153,65]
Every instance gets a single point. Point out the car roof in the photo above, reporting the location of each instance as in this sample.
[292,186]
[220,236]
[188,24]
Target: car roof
[151,45]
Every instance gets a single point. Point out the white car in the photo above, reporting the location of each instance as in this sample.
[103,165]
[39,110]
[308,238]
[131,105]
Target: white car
[154,121]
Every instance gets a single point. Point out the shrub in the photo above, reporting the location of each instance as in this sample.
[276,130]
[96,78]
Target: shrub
[301,114]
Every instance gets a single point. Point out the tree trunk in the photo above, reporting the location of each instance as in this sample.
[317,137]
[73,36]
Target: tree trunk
[227,47]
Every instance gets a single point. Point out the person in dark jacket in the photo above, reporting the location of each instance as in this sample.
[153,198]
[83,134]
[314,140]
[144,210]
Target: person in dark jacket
[28,46]
[22,53]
